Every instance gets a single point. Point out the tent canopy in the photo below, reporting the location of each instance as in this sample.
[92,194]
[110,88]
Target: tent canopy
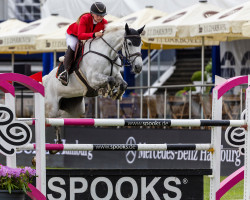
[24,39]
[174,30]
[225,24]
[140,18]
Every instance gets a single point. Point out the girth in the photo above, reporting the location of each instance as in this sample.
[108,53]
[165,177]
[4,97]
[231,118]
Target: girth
[91,92]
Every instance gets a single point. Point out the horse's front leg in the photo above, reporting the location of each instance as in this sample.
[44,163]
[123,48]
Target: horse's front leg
[101,82]
[121,87]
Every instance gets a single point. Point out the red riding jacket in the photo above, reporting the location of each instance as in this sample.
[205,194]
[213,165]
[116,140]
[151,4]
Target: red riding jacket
[84,30]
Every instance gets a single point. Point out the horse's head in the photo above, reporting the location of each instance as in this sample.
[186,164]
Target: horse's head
[132,47]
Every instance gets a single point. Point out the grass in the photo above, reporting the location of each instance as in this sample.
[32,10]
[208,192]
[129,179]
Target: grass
[236,193]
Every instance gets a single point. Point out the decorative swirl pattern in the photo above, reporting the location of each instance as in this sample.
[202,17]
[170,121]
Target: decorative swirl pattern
[12,133]
[235,136]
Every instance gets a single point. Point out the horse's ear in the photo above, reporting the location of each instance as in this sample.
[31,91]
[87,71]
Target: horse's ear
[141,29]
[127,28]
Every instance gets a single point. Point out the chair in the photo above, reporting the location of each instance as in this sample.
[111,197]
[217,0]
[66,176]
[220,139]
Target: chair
[206,104]
[231,106]
[178,107]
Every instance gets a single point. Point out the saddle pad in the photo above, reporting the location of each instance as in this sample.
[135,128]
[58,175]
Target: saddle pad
[78,56]
[60,69]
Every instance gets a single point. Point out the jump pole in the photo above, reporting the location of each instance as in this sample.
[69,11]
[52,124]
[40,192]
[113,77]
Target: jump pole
[136,122]
[121,147]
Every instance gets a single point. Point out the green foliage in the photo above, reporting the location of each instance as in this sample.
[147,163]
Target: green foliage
[197,76]
[16,178]
[181,93]
[235,193]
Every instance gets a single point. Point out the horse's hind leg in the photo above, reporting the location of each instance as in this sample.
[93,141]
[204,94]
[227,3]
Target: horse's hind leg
[58,139]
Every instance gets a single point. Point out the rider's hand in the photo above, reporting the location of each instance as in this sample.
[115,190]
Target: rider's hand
[98,34]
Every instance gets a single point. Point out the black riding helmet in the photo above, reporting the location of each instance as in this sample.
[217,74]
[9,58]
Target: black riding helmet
[98,8]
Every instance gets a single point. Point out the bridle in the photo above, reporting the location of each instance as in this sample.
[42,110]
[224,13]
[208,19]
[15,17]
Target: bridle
[118,55]
[128,55]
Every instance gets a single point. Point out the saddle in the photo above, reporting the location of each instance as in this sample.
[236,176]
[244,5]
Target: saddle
[79,53]
[77,59]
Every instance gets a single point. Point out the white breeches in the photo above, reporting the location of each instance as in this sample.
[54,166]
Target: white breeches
[71,41]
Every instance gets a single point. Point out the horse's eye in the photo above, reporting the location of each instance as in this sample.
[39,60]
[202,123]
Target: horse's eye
[129,43]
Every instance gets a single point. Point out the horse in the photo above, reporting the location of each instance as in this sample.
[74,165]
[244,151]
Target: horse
[100,70]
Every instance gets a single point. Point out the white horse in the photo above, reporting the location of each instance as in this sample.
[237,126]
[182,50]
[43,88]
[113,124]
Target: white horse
[100,67]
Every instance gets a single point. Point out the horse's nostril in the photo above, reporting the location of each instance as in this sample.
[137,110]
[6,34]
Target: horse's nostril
[138,68]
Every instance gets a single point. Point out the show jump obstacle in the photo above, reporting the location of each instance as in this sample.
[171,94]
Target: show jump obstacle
[10,143]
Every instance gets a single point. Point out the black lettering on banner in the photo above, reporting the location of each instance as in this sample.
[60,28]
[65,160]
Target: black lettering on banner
[126,184]
[158,123]
[113,147]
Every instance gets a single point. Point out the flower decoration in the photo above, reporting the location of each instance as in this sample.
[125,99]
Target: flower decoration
[16,178]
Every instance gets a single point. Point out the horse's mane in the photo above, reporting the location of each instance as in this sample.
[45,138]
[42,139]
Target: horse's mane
[113,28]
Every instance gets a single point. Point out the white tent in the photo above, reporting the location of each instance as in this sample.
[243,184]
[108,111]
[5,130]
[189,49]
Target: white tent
[246,29]
[226,25]
[140,18]
[174,29]
[10,25]
[55,41]
[7,26]
[24,39]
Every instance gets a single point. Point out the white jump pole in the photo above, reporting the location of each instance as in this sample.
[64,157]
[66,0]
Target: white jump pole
[121,147]
[136,122]
[216,143]
[10,102]
[40,143]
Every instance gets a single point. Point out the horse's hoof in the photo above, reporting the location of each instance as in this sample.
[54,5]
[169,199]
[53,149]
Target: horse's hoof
[105,94]
[33,161]
[119,96]
[53,152]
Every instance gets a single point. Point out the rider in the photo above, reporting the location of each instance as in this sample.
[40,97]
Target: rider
[87,26]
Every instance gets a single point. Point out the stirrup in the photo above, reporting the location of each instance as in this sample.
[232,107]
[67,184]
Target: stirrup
[64,78]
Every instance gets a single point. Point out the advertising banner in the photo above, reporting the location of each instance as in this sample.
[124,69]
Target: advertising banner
[231,159]
[125,184]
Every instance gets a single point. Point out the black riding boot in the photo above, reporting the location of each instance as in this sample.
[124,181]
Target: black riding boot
[68,60]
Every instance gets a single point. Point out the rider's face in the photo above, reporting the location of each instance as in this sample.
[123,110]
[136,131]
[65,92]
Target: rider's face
[97,18]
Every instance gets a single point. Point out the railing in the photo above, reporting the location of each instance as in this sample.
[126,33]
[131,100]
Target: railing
[189,105]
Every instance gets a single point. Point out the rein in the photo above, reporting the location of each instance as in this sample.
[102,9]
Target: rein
[112,62]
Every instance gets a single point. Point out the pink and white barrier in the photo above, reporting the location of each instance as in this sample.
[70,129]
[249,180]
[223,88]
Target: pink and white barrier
[136,122]
[121,147]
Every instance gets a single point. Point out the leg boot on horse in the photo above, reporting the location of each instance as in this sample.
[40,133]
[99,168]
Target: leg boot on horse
[68,60]
[58,139]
